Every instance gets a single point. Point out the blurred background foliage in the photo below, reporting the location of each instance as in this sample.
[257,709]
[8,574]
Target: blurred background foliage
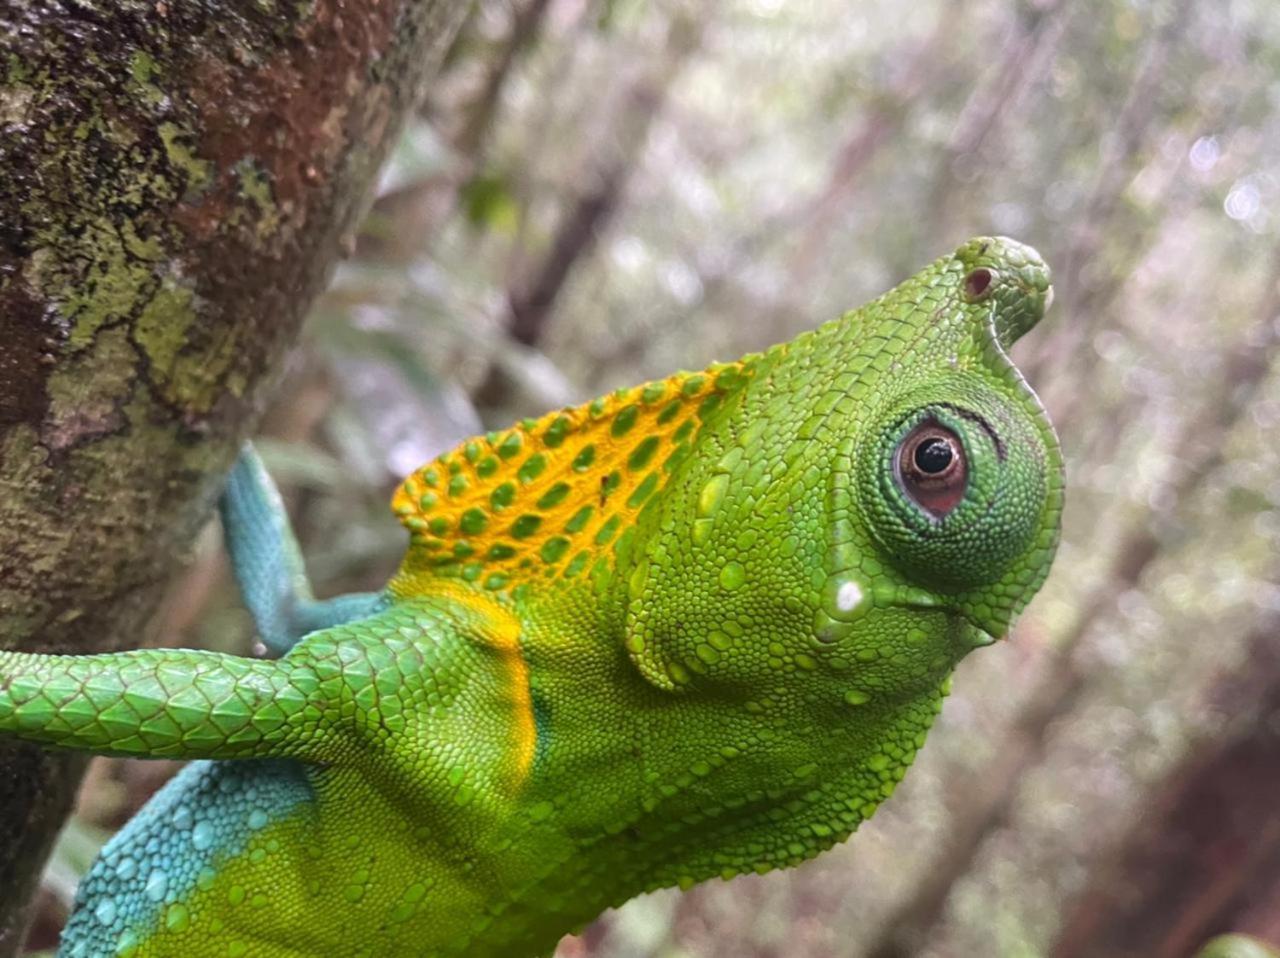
[598,192]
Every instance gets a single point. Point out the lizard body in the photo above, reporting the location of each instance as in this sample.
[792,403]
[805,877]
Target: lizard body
[696,628]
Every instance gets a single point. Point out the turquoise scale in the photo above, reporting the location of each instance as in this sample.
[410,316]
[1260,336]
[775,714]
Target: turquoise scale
[207,813]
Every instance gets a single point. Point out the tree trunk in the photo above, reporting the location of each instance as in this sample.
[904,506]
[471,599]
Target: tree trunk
[176,180]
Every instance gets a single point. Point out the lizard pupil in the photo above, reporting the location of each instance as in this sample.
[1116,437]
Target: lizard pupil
[931,468]
[933,455]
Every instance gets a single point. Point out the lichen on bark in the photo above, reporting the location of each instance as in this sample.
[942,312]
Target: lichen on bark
[175,183]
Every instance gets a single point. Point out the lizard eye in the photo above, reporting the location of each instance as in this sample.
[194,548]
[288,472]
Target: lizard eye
[953,482]
[931,468]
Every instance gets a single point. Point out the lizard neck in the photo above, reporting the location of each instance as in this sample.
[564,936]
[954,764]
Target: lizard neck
[700,750]
[647,788]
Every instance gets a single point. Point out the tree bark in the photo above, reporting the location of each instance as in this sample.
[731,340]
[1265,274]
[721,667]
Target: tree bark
[176,181]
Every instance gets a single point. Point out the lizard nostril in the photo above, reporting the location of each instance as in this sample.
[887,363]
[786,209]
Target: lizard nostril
[977,283]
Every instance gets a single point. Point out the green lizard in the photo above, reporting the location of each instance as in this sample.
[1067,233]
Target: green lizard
[696,628]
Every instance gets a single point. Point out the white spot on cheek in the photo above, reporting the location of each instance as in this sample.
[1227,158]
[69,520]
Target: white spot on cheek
[848,596]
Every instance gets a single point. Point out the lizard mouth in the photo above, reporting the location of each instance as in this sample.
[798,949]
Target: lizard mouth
[846,602]
[981,633]
[966,628]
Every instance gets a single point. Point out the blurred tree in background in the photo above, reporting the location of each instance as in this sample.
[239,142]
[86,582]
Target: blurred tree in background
[602,191]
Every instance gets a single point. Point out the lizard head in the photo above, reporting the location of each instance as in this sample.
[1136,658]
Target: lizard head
[757,576]
[861,505]
[880,496]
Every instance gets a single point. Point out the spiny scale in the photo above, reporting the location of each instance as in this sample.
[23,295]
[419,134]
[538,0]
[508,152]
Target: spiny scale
[546,497]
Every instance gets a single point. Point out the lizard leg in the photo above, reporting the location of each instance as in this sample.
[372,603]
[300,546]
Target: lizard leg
[175,703]
[170,861]
[268,563]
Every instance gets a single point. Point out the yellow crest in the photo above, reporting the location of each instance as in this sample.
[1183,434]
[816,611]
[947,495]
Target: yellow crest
[550,496]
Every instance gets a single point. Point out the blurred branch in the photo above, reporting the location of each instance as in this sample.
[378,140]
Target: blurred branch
[922,67]
[1121,152]
[1027,54]
[918,69]
[526,22]
[987,800]
[530,302]
[1025,59]
[402,217]
[921,73]
[1205,853]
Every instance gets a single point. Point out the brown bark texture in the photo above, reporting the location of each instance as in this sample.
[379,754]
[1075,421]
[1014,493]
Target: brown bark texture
[176,182]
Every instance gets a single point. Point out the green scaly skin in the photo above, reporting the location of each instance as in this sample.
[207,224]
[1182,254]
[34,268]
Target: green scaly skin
[693,629]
